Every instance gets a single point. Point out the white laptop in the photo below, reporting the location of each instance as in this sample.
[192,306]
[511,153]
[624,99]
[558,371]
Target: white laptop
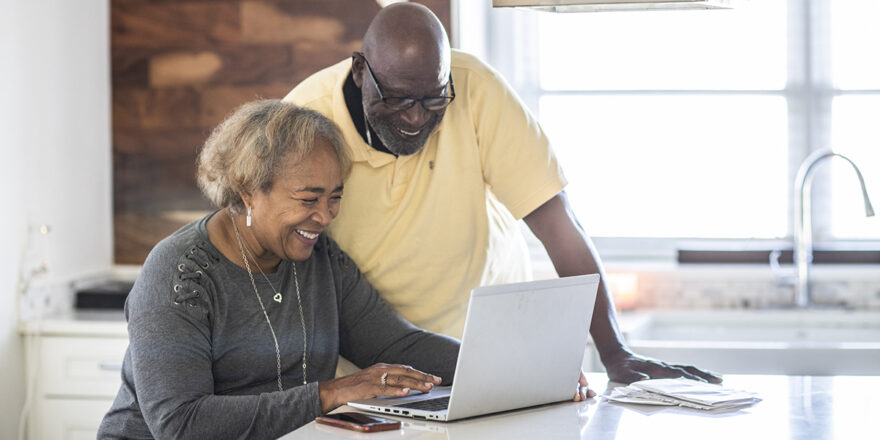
[523,345]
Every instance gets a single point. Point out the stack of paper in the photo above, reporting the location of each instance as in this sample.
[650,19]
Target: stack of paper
[682,392]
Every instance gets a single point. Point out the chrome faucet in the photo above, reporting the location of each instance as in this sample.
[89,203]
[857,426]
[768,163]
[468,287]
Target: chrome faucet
[803,228]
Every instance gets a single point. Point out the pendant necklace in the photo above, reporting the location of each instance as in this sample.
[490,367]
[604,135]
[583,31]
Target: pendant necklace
[277,298]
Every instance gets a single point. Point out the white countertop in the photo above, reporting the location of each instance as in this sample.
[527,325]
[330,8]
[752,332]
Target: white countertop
[793,407]
[109,323]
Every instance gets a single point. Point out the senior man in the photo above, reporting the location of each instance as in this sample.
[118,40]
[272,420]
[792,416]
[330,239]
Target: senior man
[446,160]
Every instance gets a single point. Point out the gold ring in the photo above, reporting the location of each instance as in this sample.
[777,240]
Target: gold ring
[383,378]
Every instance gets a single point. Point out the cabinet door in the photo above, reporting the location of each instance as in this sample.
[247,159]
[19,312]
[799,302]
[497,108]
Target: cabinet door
[68,419]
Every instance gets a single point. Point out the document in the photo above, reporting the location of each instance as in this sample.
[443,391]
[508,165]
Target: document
[683,392]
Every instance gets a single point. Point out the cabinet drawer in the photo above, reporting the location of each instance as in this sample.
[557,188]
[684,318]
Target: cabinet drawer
[68,419]
[80,366]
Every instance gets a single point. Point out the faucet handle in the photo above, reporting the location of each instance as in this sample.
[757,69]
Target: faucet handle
[779,278]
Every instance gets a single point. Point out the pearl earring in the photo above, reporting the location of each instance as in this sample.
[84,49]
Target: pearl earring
[247,219]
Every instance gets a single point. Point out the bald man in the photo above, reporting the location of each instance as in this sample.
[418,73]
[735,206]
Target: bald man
[446,161]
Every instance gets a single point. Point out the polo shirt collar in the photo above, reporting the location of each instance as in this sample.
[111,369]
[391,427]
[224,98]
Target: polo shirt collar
[347,101]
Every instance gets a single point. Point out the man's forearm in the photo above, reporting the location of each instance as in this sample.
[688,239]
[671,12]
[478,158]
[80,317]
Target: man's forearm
[573,253]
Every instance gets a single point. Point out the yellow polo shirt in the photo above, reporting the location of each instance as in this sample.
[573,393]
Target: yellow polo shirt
[427,228]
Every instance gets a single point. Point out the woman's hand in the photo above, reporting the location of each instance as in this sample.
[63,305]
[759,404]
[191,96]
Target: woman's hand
[627,367]
[583,390]
[374,381]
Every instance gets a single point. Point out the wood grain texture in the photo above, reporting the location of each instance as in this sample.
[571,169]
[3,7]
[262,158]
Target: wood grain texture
[184,68]
[179,67]
[157,24]
[148,108]
[219,102]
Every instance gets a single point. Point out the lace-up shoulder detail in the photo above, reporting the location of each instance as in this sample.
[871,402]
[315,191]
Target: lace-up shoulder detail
[335,253]
[190,285]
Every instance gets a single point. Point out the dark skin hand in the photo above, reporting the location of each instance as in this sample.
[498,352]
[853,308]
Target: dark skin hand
[573,254]
[367,383]
[628,367]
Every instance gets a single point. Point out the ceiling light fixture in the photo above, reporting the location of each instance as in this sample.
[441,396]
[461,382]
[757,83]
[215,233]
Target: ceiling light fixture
[612,5]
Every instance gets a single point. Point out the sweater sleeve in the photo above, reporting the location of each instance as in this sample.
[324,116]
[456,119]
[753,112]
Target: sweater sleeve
[371,331]
[171,366]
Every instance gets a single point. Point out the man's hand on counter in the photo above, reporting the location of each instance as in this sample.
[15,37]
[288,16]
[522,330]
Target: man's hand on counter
[627,367]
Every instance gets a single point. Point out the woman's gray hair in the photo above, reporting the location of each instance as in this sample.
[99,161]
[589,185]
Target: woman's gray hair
[244,153]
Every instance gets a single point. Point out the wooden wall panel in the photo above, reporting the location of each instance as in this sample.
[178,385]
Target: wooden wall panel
[180,66]
[160,24]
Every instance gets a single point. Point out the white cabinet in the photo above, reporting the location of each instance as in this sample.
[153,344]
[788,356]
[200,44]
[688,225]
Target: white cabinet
[75,374]
[81,366]
[68,418]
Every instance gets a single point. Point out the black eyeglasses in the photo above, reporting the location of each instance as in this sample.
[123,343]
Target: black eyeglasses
[430,103]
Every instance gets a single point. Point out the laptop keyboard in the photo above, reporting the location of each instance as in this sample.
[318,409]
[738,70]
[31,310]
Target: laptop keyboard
[437,404]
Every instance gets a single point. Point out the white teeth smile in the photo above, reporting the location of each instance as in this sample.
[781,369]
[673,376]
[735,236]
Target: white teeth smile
[409,133]
[306,234]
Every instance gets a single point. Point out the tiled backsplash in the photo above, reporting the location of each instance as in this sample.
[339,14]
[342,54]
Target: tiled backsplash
[640,285]
[747,288]
[633,285]
[52,297]
[45,300]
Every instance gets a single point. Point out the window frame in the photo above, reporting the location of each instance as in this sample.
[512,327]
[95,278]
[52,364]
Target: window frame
[505,38]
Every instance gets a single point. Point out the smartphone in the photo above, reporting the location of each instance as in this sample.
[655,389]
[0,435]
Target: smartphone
[358,422]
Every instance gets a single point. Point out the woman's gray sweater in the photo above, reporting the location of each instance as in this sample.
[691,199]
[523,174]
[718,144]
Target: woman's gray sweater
[201,361]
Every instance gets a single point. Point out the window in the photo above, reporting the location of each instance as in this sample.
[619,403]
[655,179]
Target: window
[855,109]
[690,126]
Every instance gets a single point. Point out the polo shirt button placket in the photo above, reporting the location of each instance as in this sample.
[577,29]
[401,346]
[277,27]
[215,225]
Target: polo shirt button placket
[401,178]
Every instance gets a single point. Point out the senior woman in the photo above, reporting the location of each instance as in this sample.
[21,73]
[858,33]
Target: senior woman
[237,320]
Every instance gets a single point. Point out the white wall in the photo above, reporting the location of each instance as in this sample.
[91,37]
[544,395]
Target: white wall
[11,160]
[55,158]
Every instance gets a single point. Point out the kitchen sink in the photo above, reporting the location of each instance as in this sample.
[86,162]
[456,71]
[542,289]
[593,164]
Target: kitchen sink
[796,342]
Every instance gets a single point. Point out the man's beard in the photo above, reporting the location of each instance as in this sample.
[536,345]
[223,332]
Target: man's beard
[395,141]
